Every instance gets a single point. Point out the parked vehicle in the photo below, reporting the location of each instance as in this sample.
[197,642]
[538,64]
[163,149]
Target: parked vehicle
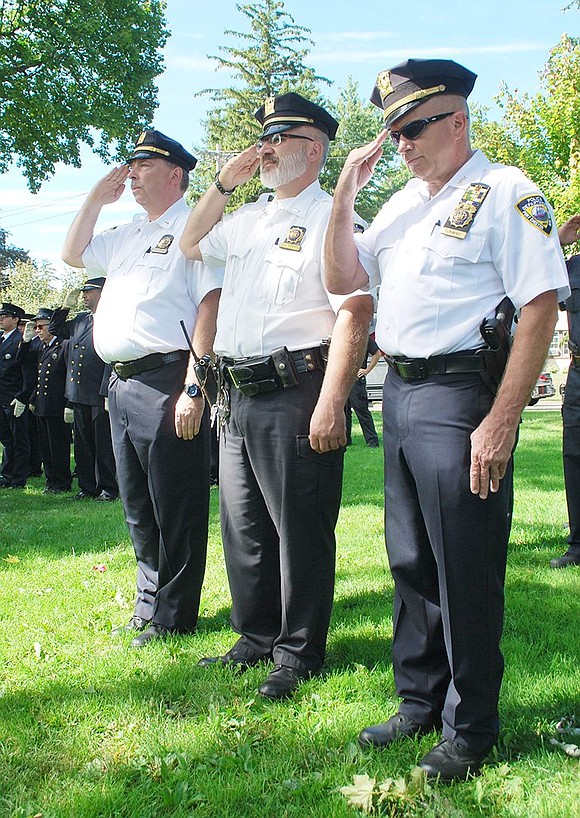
[375,380]
[544,388]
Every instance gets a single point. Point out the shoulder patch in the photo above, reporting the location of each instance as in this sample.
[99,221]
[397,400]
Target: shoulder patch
[535,210]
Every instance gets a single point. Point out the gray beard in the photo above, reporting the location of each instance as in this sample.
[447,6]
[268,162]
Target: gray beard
[287,170]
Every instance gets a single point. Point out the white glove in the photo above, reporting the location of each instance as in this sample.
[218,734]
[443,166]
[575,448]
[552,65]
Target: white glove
[19,407]
[106,404]
[71,299]
[28,333]
[68,415]
[31,408]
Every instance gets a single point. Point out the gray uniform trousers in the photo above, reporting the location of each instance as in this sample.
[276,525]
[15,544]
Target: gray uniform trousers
[279,502]
[164,485]
[447,550]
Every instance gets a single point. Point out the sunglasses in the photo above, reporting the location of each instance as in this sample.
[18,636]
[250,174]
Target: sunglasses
[277,138]
[413,130]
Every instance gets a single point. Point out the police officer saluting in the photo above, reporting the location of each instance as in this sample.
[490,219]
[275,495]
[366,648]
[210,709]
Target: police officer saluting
[282,447]
[446,250]
[159,427]
[93,449]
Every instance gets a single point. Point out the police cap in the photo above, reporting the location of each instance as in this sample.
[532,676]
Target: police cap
[94,284]
[12,309]
[286,111]
[154,144]
[414,81]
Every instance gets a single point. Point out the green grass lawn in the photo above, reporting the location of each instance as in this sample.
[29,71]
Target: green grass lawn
[91,728]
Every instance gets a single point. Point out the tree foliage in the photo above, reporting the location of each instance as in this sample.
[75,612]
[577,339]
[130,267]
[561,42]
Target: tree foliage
[32,286]
[73,73]
[268,61]
[9,255]
[359,123]
[541,134]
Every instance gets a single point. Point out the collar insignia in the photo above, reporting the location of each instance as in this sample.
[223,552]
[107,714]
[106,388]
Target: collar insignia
[294,238]
[463,216]
[535,210]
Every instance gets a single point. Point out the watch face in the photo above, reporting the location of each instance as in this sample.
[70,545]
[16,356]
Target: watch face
[192,390]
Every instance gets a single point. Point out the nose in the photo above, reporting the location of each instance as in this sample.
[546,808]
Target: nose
[404,145]
[265,148]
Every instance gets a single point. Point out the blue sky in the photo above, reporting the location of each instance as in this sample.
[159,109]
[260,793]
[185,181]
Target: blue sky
[504,41]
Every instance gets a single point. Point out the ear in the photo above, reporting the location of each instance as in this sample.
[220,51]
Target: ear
[460,123]
[314,152]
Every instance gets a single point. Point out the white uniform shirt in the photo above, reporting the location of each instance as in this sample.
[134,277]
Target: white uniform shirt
[436,289]
[272,296]
[150,286]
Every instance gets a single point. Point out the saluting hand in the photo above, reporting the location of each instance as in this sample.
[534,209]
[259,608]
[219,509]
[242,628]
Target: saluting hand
[110,188]
[360,165]
[239,168]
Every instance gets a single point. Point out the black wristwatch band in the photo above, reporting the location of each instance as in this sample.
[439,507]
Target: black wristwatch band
[220,187]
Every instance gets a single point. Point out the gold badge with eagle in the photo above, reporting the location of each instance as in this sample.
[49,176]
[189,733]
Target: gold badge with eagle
[463,216]
[294,238]
[163,244]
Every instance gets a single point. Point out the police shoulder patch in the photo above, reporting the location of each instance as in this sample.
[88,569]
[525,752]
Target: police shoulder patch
[535,210]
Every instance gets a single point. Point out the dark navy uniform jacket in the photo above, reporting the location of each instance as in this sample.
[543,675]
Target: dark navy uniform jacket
[49,398]
[13,384]
[85,369]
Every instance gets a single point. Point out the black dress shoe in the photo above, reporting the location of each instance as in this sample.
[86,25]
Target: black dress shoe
[82,495]
[136,623]
[153,632]
[55,491]
[397,727]
[231,659]
[281,682]
[450,761]
[565,561]
[107,497]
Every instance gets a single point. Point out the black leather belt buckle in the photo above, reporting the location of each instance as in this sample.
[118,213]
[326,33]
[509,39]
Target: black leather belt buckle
[412,369]
[124,370]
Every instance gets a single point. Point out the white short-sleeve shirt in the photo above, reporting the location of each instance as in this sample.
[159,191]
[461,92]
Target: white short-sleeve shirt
[435,289]
[273,291]
[150,286]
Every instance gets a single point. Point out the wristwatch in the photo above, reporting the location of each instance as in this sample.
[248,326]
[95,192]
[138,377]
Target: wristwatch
[192,390]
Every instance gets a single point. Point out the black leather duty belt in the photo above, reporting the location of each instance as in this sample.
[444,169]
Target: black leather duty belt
[418,369]
[128,369]
[279,370]
[575,361]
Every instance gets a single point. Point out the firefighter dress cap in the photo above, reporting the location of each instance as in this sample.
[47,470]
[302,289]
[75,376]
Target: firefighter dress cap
[11,309]
[412,82]
[154,144]
[287,111]
[43,314]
